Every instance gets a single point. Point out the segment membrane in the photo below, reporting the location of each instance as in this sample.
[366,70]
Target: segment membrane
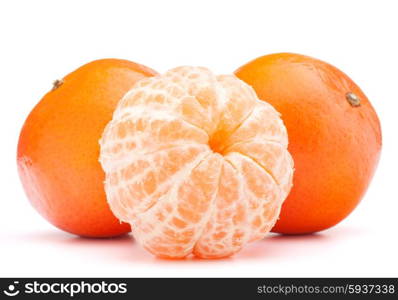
[196,163]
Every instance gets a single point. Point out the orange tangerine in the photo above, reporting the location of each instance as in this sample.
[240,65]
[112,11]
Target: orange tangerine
[58,147]
[334,137]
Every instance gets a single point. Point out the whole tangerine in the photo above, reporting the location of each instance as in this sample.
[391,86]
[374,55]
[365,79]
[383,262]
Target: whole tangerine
[58,147]
[334,137]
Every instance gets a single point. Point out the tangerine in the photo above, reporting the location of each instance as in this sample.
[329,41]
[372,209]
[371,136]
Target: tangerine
[196,163]
[58,147]
[334,137]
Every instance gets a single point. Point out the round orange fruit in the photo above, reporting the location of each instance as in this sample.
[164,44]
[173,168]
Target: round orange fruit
[58,147]
[334,137]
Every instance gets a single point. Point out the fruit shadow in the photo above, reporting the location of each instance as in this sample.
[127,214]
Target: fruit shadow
[125,249]
[121,248]
[279,246]
[108,249]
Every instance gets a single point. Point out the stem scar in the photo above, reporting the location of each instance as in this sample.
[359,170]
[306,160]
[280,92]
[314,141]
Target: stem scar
[353,99]
[57,83]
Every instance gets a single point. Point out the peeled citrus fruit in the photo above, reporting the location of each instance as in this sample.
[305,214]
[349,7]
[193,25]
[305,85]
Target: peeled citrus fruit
[58,147]
[334,137]
[196,163]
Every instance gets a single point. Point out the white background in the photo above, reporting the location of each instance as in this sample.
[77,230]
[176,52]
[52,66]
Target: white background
[44,40]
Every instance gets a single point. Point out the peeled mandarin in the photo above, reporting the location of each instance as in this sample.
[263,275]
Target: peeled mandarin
[196,163]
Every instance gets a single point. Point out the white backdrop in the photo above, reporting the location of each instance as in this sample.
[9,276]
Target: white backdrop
[44,40]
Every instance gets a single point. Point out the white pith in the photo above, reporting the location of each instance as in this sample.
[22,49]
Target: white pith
[143,213]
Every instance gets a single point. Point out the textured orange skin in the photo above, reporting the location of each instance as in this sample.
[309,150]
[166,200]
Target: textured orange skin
[335,146]
[58,147]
